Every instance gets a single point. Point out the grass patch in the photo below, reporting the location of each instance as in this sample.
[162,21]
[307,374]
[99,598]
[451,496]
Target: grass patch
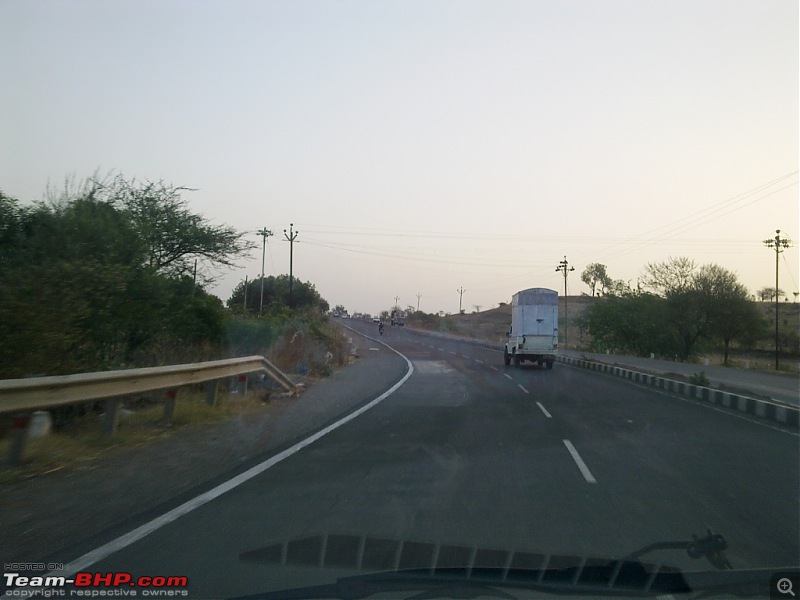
[83,442]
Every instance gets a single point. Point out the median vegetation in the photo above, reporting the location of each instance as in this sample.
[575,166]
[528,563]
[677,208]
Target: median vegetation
[682,310]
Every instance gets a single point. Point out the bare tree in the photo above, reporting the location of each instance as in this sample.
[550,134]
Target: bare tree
[669,277]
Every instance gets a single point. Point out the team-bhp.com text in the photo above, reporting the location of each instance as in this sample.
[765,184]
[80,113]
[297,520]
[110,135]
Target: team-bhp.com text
[95,585]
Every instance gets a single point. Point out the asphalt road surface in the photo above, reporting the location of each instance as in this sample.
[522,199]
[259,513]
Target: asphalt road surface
[467,453]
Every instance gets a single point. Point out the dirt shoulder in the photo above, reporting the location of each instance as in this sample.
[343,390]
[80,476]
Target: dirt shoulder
[56,517]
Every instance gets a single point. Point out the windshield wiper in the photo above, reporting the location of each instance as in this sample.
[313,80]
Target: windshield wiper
[433,569]
[711,547]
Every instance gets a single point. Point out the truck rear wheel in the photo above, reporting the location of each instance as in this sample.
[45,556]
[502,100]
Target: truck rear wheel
[549,364]
[517,361]
[506,357]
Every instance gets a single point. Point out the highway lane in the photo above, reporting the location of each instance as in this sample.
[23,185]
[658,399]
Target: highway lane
[469,452]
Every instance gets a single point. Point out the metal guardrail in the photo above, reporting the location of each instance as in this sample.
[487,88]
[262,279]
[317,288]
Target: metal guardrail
[23,396]
[46,392]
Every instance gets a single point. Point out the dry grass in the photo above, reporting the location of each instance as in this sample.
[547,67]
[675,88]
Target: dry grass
[84,441]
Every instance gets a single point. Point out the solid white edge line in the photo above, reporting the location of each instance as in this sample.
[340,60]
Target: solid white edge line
[587,474]
[129,538]
[544,410]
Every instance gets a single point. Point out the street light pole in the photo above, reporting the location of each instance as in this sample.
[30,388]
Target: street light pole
[779,244]
[290,237]
[264,233]
[564,267]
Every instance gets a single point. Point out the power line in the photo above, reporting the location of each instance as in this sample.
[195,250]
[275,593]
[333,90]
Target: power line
[702,216]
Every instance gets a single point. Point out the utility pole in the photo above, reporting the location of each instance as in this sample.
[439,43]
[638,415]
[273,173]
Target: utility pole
[290,237]
[419,295]
[460,296]
[264,233]
[245,293]
[779,244]
[564,267]
[396,300]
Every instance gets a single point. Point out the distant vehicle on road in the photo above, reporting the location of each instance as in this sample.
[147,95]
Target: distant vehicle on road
[534,328]
[398,318]
[376,320]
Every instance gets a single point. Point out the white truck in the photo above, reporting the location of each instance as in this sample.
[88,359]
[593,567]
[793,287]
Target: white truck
[534,328]
[398,318]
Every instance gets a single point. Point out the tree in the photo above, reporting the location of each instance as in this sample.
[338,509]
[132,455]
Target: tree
[173,236]
[276,295]
[767,294]
[731,314]
[595,275]
[12,217]
[693,307]
[630,323]
[79,292]
[669,277]
[617,287]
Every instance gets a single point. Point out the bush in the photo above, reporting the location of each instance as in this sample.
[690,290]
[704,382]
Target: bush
[700,379]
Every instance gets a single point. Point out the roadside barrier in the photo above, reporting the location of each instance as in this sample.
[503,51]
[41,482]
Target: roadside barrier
[22,397]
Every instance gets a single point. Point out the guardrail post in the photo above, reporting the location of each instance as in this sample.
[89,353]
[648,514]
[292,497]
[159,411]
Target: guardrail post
[169,405]
[113,407]
[211,392]
[19,436]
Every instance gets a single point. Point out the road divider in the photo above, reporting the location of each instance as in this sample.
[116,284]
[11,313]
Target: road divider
[761,409]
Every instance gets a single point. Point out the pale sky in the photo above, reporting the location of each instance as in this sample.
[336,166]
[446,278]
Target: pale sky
[422,146]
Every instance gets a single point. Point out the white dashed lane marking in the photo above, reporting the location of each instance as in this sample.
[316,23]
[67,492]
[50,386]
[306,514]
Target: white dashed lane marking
[587,474]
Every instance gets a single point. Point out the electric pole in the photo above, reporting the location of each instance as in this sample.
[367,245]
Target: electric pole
[290,237]
[419,295]
[460,296]
[564,267]
[396,300]
[779,244]
[264,233]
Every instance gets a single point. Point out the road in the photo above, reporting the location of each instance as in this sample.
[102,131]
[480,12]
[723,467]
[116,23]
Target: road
[467,453]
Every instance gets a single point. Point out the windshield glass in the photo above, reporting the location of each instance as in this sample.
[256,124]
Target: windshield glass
[399,299]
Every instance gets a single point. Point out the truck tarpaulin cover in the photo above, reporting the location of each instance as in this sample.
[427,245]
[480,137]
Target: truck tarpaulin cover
[535,296]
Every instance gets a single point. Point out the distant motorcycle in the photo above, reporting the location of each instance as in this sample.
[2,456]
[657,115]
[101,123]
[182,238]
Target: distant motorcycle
[380,328]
